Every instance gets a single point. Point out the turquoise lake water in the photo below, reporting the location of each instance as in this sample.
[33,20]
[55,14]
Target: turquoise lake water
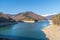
[25,31]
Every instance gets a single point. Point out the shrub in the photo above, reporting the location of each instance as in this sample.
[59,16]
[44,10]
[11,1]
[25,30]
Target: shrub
[56,19]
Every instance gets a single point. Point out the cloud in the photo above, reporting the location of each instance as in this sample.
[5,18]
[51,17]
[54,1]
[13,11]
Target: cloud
[49,14]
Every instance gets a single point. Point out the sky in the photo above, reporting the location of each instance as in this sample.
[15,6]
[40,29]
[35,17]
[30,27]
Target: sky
[41,7]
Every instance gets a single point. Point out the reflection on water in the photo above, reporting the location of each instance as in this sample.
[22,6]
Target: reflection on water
[26,30]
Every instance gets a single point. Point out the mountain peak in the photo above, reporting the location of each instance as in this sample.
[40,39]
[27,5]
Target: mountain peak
[29,14]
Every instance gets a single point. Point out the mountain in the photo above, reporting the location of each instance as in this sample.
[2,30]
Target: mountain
[23,15]
[5,18]
[50,16]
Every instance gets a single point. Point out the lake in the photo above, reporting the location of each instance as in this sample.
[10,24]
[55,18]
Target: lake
[24,31]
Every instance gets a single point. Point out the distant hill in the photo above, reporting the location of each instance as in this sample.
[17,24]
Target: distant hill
[50,16]
[21,16]
[5,18]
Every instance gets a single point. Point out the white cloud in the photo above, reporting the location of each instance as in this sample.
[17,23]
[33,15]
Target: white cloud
[50,14]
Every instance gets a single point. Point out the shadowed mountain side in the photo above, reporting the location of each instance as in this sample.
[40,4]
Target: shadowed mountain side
[5,18]
[21,16]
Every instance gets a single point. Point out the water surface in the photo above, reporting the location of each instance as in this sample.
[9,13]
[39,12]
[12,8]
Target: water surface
[25,30]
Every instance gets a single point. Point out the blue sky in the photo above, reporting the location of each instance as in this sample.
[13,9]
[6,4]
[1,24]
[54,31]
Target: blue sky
[40,7]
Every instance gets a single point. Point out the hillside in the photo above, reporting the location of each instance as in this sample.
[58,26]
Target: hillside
[21,16]
[56,19]
[5,18]
[49,17]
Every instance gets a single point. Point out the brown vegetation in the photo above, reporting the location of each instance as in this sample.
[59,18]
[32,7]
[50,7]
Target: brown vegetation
[56,19]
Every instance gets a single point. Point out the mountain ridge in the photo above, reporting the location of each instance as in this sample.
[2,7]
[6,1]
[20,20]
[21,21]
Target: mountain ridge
[28,14]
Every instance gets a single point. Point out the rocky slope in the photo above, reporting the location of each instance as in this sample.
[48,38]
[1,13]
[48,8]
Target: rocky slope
[5,18]
[21,16]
